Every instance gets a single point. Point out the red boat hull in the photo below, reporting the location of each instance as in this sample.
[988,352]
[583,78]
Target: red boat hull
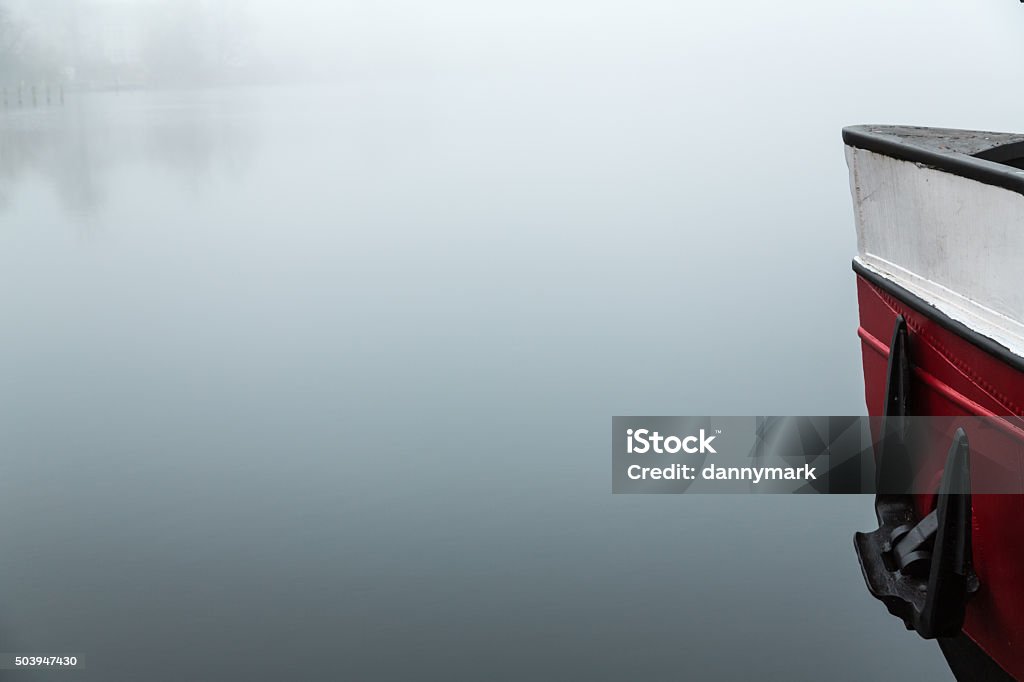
[959,374]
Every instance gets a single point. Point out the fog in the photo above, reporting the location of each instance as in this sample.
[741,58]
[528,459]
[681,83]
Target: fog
[316,314]
[691,49]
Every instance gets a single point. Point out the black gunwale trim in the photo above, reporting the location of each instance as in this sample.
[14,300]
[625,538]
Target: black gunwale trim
[921,306]
[1003,153]
[883,140]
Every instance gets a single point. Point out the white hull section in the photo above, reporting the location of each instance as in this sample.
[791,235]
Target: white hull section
[954,242]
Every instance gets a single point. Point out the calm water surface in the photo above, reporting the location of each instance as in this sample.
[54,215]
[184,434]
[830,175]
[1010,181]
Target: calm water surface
[316,383]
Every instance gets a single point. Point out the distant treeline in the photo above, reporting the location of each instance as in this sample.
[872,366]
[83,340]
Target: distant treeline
[22,59]
[106,44]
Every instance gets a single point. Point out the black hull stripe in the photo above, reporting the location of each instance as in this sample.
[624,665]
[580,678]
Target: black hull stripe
[921,306]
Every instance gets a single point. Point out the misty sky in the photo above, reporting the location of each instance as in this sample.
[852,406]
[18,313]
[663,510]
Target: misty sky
[704,48]
[710,46]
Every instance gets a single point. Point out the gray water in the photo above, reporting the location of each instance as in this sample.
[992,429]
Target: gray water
[316,383]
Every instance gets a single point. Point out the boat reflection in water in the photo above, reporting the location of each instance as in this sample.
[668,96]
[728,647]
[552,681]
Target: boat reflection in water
[75,146]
